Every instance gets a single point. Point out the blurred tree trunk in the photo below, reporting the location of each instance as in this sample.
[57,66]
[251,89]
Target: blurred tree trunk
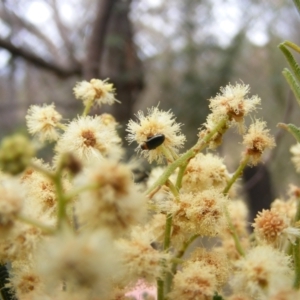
[120,61]
[96,41]
[111,52]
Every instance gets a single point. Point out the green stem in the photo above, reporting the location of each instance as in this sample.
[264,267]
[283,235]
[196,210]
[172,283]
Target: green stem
[180,162]
[167,244]
[61,126]
[170,275]
[180,175]
[88,108]
[297,216]
[42,170]
[75,192]
[186,244]
[173,189]
[168,229]
[237,174]
[174,154]
[169,219]
[43,227]
[168,282]
[167,154]
[170,169]
[181,252]
[296,252]
[234,234]
[200,145]
[160,289]
[61,201]
[233,179]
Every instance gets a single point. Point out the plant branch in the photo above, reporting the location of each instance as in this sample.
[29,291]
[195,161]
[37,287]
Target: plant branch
[184,158]
[43,227]
[233,179]
[33,58]
[61,200]
[236,174]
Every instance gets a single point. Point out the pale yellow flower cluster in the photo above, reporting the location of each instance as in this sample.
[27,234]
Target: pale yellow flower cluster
[79,227]
[257,140]
[191,283]
[269,225]
[140,259]
[205,171]
[43,122]
[89,140]
[199,206]
[95,92]
[200,213]
[59,222]
[262,273]
[234,103]
[113,202]
[157,122]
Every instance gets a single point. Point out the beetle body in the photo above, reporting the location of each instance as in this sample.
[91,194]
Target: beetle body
[153,142]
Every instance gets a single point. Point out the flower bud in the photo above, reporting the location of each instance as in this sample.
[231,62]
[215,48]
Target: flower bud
[16,152]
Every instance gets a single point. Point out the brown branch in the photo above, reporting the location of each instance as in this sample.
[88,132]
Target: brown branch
[17,24]
[95,44]
[64,32]
[38,61]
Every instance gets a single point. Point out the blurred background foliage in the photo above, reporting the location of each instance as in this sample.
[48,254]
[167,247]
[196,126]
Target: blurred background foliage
[177,53]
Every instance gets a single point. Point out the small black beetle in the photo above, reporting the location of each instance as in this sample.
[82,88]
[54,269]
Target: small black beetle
[153,142]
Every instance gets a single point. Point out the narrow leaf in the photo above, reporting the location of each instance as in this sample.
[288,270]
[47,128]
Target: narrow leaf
[292,62]
[5,292]
[295,131]
[292,83]
[291,128]
[292,46]
[297,4]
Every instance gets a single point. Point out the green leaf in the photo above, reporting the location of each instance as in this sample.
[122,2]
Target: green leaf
[292,62]
[297,4]
[295,131]
[292,46]
[292,83]
[291,128]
